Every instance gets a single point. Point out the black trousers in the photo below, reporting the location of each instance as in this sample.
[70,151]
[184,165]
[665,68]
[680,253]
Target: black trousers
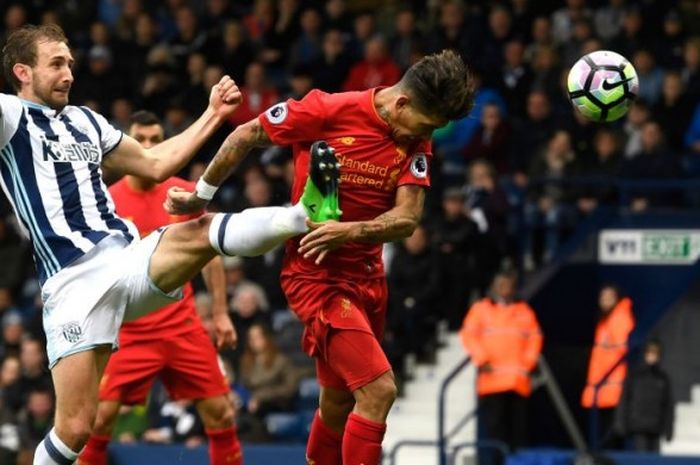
[502,417]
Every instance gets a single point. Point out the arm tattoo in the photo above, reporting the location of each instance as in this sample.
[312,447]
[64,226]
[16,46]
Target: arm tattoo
[387,227]
[236,146]
[397,223]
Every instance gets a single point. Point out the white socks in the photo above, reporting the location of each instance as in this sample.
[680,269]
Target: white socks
[255,231]
[52,451]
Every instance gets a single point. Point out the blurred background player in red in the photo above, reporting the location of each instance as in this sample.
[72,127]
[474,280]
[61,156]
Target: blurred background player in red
[334,278]
[170,343]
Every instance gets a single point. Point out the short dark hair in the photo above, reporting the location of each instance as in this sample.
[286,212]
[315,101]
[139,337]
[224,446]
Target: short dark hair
[441,85]
[21,47]
[144,118]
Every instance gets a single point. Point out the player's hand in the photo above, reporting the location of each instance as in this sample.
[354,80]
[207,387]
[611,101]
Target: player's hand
[224,97]
[322,238]
[224,332]
[183,202]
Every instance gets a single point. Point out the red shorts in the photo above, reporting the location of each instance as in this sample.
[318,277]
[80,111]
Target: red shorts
[344,324]
[187,364]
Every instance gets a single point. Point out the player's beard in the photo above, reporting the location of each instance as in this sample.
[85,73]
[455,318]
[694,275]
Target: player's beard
[48,94]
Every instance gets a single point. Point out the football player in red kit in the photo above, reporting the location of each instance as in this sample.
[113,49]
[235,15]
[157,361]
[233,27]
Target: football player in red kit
[333,276]
[170,343]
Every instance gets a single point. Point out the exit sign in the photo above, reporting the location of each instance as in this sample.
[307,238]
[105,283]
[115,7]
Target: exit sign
[649,246]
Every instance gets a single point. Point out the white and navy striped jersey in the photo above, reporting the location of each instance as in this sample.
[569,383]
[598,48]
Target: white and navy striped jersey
[50,172]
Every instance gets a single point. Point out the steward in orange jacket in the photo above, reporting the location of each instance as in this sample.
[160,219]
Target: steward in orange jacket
[610,344]
[504,340]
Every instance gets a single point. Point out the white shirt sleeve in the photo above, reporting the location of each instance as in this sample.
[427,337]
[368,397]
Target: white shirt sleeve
[10,115]
[109,135]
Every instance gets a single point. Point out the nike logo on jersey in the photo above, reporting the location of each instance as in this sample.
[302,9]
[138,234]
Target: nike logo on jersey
[312,207]
[607,85]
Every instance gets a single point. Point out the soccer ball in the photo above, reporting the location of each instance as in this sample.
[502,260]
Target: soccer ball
[602,85]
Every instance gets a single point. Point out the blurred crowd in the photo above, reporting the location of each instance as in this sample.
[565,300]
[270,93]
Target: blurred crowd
[510,182]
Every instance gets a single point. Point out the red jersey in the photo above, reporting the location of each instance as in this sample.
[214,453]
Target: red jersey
[145,210]
[373,166]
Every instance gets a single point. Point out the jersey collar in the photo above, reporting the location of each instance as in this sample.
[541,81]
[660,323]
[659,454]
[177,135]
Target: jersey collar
[38,106]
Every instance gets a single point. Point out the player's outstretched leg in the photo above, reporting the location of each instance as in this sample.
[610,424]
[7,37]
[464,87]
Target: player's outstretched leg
[185,247]
[320,197]
[255,231]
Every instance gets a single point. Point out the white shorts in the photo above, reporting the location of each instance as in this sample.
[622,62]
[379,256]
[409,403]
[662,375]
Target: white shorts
[86,302]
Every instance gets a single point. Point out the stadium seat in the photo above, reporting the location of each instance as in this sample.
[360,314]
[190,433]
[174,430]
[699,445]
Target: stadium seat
[284,426]
[309,390]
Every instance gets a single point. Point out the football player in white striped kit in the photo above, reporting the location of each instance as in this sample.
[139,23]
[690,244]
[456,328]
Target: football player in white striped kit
[94,270]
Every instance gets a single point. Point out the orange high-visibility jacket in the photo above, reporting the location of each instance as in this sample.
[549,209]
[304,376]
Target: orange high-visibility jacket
[610,344]
[508,337]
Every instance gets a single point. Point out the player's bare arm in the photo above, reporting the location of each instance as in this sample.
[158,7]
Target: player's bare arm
[214,278]
[167,158]
[236,146]
[395,224]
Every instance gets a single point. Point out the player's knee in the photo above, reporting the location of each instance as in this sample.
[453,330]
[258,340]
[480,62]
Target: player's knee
[218,414]
[379,395]
[74,432]
[336,410]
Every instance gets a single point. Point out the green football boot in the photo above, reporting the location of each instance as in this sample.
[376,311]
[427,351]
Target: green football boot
[320,197]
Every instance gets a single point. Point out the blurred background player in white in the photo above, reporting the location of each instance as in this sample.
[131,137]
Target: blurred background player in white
[94,271]
[170,343]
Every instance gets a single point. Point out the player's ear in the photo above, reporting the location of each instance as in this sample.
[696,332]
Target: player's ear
[22,72]
[402,102]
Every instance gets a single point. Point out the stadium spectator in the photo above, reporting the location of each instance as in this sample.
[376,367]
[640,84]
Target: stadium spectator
[451,32]
[653,161]
[415,280]
[257,94]
[610,345]
[269,379]
[516,77]
[602,167]
[9,436]
[639,114]
[608,19]
[14,255]
[492,140]
[34,373]
[632,37]
[407,41]
[673,111]
[549,198]
[331,68]
[306,48]
[563,19]
[534,131]
[541,37]
[669,46]
[12,331]
[691,68]
[487,206]
[249,306]
[376,69]
[650,76]
[504,340]
[35,420]
[454,235]
[646,410]
[236,52]
[11,395]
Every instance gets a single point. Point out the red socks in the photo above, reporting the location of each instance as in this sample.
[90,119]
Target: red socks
[95,452]
[224,447]
[362,442]
[324,444]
